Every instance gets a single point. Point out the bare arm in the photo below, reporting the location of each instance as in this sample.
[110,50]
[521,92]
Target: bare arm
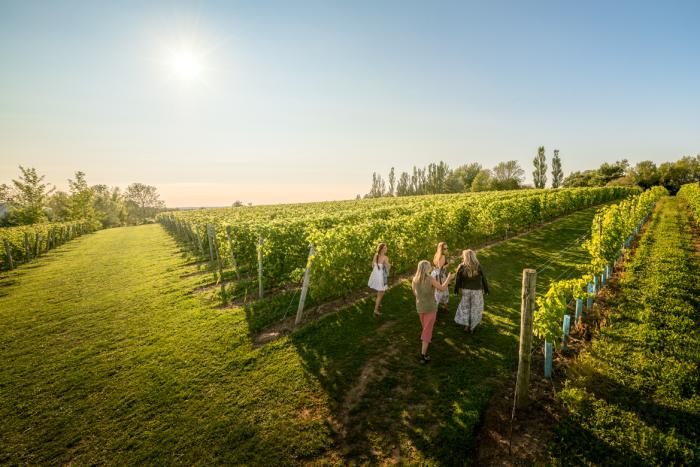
[444,286]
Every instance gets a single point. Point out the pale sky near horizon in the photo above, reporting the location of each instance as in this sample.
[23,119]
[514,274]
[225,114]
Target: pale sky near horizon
[301,101]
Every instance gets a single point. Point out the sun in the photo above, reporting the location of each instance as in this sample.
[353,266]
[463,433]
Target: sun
[185,64]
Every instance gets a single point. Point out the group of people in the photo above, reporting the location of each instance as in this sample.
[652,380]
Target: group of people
[430,285]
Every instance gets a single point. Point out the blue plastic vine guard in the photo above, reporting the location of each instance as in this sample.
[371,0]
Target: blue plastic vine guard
[548,350]
[579,309]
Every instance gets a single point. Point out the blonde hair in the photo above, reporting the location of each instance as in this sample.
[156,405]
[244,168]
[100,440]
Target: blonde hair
[380,247]
[470,263]
[422,272]
[438,253]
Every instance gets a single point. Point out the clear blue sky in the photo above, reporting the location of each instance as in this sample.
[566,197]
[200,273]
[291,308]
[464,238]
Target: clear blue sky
[304,100]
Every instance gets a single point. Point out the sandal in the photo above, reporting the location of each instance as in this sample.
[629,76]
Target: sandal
[425,358]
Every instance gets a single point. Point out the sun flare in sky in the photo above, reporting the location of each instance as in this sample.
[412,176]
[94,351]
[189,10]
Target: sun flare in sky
[185,63]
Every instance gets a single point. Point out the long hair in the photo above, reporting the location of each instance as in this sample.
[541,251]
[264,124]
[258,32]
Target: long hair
[469,263]
[422,272]
[438,254]
[380,247]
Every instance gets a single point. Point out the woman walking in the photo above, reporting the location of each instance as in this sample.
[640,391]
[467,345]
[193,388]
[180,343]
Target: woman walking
[379,279]
[440,263]
[424,286]
[471,284]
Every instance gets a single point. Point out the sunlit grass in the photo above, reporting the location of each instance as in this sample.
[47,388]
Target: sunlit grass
[107,357]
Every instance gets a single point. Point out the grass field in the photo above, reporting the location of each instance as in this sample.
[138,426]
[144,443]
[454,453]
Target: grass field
[108,357]
[633,398]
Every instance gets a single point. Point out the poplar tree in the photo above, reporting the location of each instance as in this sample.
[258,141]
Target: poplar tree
[392,182]
[540,174]
[557,174]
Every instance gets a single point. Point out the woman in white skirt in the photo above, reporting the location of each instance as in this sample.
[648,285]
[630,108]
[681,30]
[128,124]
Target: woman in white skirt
[440,263]
[471,285]
[379,279]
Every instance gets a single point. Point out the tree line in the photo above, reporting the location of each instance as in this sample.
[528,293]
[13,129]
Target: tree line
[29,200]
[671,175]
[438,177]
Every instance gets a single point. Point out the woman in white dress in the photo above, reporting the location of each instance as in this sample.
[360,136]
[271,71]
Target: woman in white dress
[440,263]
[379,279]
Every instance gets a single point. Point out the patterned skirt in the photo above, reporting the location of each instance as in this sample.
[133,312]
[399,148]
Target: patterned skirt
[470,308]
[441,296]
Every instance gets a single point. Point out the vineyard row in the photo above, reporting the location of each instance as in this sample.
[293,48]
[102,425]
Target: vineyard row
[344,240]
[24,243]
[613,229]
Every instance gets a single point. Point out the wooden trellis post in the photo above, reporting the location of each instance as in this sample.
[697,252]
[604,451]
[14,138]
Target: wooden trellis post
[260,266]
[199,242]
[37,244]
[8,253]
[210,240]
[221,270]
[233,254]
[27,247]
[527,308]
[304,286]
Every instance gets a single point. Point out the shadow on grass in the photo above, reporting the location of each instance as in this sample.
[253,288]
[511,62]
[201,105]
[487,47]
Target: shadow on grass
[385,403]
[651,412]
[596,452]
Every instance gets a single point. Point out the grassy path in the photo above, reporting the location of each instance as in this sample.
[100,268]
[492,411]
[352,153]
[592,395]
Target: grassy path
[108,358]
[633,397]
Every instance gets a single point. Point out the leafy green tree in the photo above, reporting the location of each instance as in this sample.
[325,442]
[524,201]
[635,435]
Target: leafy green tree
[673,175]
[4,202]
[557,174]
[461,178]
[645,174]
[579,179]
[609,172]
[4,193]
[27,198]
[507,176]
[436,178]
[418,181]
[453,183]
[539,175]
[142,202]
[403,186]
[378,186]
[109,206]
[482,181]
[59,206]
[392,182]
[81,198]
[694,167]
